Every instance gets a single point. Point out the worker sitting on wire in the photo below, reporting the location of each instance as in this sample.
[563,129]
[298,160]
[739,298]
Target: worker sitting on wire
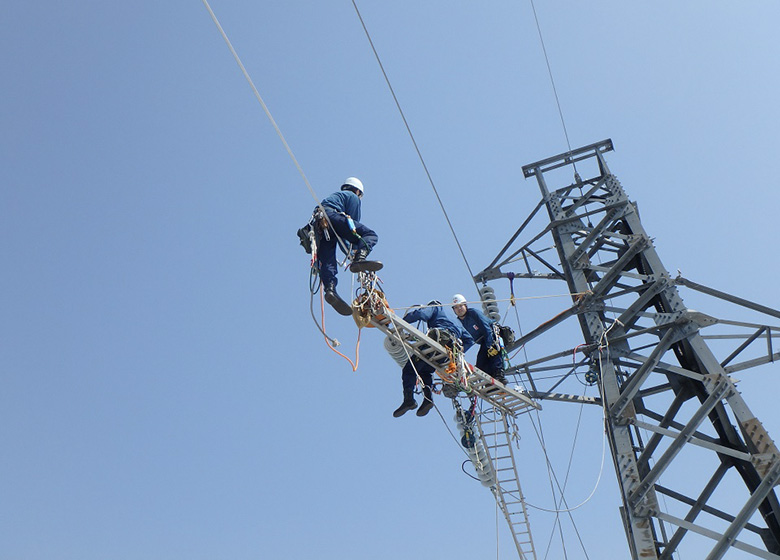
[445,332]
[342,218]
[489,358]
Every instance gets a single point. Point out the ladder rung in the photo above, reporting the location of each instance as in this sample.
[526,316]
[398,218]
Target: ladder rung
[510,502]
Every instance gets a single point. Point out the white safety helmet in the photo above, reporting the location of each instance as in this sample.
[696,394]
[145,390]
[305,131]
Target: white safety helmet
[457,299]
[353,182]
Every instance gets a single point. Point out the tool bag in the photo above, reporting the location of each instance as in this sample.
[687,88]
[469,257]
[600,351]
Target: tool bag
[506,334]
[304,236]
[307,233]
[503,336]
[442,336]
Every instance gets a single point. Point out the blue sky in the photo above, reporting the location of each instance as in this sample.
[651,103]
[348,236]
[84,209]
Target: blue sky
[165,393]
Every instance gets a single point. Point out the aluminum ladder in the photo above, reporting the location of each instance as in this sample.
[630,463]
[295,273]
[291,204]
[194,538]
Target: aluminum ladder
[495,430]
[511,401]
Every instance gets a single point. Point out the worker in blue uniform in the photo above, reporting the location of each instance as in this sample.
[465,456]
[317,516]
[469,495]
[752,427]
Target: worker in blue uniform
[343,213]
[441,328]
[489,358]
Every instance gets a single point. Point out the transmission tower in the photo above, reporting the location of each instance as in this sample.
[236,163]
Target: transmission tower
[676,425]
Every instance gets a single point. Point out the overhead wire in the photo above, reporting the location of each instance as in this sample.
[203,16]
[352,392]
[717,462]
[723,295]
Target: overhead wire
[552,80]
[408,128]
[441,204]
[414,142]
[551,471]
[554,480]
[540,436]
[566,479]
[539,433]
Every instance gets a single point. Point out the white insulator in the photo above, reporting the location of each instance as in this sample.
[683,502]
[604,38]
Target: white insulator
[396,350]
[482,465]
[489,305]
[478,457]
[459,422]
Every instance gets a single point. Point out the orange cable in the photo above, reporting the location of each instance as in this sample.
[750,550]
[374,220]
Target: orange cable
[357,347]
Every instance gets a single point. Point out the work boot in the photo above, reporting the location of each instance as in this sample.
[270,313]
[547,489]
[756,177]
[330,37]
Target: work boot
[427,403]
[331,295]
[499,376]
[408,404]
[333,298]
[360,264]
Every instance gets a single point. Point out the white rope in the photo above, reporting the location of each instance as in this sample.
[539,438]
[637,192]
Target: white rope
[603,442]
[590,496]
[260,99]
[271,118]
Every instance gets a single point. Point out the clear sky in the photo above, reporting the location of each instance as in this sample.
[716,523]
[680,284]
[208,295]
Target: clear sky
[165,392]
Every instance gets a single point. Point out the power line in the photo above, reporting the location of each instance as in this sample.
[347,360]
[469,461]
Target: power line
[411,135]
[552,80]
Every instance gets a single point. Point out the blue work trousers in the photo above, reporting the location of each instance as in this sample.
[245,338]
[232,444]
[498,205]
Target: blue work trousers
[409,378]
[490,365]
[326,250]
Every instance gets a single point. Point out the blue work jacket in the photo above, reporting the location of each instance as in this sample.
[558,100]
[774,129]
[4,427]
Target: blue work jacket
[435,317]
[344,201]
[479,327]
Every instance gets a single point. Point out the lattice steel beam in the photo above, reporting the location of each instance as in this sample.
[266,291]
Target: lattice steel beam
[656,372]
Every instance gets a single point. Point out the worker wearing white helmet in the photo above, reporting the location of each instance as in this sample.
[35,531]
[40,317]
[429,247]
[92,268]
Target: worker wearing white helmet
[489,358]
[343,215]
[442,329]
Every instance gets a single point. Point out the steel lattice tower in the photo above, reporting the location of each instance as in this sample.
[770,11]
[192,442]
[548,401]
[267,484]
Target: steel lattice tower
[669,403]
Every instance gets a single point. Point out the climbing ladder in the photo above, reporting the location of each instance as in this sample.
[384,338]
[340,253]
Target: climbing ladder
[497,434]
[495,428]
[466,377]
